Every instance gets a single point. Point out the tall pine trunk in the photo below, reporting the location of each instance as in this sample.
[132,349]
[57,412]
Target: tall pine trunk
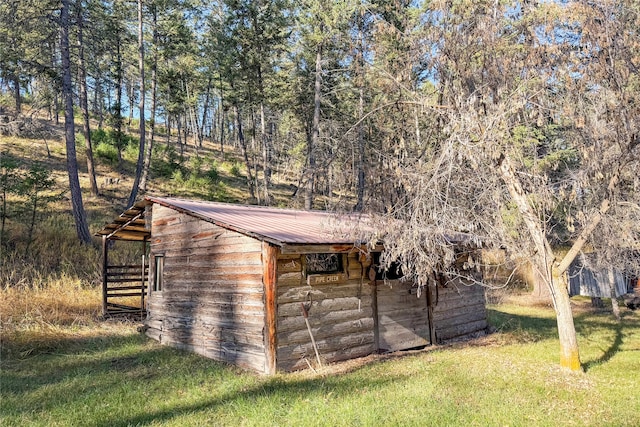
[140,162]
[154,91]
[267,157]
[245,154]
[117,113]
[205,111]
[79,215]
[360,142]
[315,133]
[16,92]
[84,106]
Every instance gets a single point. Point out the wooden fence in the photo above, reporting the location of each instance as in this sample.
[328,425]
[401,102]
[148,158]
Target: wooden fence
[124,289]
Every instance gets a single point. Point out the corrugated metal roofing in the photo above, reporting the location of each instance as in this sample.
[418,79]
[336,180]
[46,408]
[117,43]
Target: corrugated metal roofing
[279,226]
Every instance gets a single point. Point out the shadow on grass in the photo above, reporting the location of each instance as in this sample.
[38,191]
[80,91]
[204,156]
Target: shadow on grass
[337,386]
[611,351]
[99,371]
[525,328]
[65,357]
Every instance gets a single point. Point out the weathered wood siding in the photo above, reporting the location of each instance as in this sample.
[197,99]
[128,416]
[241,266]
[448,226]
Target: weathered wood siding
[591,282]
[458,310]
[403,316]
[212,297]
[341,315]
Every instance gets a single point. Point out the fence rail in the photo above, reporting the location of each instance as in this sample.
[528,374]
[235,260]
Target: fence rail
[125,281]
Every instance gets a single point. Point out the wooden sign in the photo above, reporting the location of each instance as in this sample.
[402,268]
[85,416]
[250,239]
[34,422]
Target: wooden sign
[324,279]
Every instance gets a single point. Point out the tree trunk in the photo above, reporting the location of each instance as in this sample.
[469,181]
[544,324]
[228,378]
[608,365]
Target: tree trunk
[267,157]
[185,129]
[243,144]
[154,90]
[614,299]
[543,261]
[205,111]
[55,101]
[361,153]
[168,128]
[360,143]
[79,214]
[142,129]
[99,106]
[315,133]
[117,113]
[223,122]
[16,92]
[84,106]
[191,116]
[131,95]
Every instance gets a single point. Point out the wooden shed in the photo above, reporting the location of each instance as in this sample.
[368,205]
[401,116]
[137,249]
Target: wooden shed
[277,289]
[586,280]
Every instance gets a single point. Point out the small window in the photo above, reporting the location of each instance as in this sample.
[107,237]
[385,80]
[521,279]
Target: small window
[158,272]
[324,263]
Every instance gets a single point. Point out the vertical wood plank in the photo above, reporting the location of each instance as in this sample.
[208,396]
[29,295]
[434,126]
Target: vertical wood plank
[376,326]
[269,278]
[105,263]
[431,289]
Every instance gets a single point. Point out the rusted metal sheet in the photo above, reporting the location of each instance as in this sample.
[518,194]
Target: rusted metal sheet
[296,231]
[274,225]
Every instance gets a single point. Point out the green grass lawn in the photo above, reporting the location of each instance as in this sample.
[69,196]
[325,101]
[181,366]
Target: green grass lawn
[510,378]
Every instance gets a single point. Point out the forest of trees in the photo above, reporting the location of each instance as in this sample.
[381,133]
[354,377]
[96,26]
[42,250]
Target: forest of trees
[514,123]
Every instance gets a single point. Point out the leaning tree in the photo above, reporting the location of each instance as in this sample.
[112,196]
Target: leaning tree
[531,113]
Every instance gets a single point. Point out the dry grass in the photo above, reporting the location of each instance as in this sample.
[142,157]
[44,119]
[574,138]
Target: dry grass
[37,319]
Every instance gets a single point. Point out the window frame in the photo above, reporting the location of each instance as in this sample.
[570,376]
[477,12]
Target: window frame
[340,264]
[158,273]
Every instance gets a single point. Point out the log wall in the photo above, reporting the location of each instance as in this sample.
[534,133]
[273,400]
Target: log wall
[458,310]
[340,314]
[212,297]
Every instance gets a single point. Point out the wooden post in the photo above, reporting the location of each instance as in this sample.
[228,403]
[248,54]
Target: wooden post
[142,283]
[269,279]
[105,263]
[431,288]
[376,321]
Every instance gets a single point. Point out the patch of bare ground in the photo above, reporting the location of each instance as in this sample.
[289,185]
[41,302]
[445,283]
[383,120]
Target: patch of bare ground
[479,339]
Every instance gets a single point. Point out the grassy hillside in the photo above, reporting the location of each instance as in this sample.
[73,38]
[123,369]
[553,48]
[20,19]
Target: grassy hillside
[185,171]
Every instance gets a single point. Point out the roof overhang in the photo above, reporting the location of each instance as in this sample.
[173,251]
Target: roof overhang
[131,225]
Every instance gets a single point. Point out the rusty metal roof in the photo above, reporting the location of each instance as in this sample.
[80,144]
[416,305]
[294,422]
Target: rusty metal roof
[275,225]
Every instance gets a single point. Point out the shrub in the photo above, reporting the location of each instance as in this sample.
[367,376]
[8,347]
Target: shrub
[99,136]
[165,161]
[177,177]
[212,174]
[235,170]
[106,152]
[131,148]
[233,167]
